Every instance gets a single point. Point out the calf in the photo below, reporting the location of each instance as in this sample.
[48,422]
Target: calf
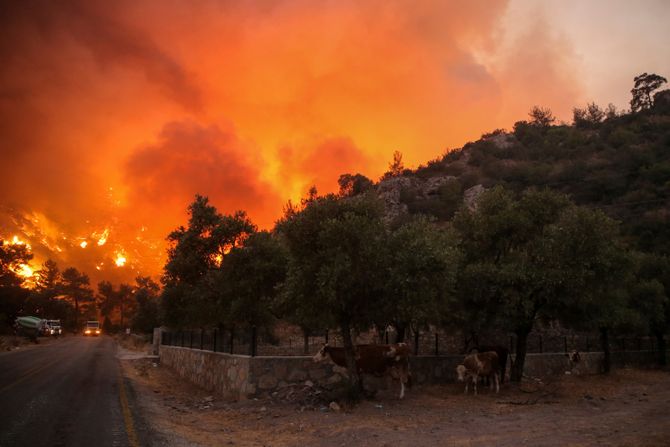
[378,360]
[478,365]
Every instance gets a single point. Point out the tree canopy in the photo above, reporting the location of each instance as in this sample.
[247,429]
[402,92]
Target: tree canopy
[645,85]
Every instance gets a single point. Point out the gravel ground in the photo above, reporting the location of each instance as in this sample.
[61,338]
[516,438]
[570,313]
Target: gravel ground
[628,408]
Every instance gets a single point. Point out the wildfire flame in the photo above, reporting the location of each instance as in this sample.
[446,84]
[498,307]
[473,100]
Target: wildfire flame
[120,260]
[17,241]
[25,270]
[102,238]
[83,244]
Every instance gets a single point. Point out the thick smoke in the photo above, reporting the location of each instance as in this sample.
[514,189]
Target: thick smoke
[115,114]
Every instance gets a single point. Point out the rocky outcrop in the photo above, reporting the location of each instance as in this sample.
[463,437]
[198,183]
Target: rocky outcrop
[471,195]
[390,191]
[502,140]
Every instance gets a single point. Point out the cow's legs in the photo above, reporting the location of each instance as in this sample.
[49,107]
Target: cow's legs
[495,376]
[475,380]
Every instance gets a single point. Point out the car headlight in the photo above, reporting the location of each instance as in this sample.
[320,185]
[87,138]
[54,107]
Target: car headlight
[97,331]
[88,331]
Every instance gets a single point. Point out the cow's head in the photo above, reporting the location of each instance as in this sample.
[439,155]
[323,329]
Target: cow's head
[393,351]
[322,354]
[573,356]
[461,370]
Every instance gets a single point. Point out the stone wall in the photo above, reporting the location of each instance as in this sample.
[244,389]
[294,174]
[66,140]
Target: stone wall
[239,376]
[224,374]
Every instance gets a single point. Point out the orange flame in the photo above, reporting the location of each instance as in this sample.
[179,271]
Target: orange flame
[120,260]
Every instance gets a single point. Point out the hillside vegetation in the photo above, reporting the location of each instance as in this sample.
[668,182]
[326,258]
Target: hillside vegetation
[619,163]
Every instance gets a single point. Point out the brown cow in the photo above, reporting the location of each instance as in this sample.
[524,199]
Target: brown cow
[378,360]
[502,352]
[484,364]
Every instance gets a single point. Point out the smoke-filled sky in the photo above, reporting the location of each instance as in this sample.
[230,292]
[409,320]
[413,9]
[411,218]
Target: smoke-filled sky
[113,115]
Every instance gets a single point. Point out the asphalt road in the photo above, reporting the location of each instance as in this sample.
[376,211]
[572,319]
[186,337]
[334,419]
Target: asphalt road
[69,392]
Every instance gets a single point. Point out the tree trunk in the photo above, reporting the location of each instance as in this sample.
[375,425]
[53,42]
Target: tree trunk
[401,330]
[605,342]
[520,359]
[355,385]
[660,339]
[76,314]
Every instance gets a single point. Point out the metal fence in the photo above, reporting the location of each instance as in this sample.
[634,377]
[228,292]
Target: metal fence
[248,341]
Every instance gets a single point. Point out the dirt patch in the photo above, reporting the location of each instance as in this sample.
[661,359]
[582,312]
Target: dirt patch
[628,408]
[14,342]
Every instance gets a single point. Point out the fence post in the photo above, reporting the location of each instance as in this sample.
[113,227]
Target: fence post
[541,349]
[437,345]
[214,343]
[416,342]
[252,347]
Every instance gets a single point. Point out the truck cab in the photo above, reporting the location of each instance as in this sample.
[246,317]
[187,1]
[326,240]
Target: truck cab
[92,328]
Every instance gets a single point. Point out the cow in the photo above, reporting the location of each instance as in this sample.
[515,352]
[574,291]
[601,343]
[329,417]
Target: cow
[502,352]
[474,366]
[378,360]
[574,358]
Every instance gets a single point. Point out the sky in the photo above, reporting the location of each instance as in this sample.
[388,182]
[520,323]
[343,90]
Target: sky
[113,115]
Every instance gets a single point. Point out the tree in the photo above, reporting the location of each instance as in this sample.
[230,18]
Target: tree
[396,167]
[644,85]
[12,295]
[353,185]
[44,297]
[146,295]
[651,297]
[48,277]
[106,299]
[421,265]
[335,269]
[588,117]
[194,255]
[541,117]
[520,258]
[597,297]
[75,288]
[249,278]
[110,299]
[12,257]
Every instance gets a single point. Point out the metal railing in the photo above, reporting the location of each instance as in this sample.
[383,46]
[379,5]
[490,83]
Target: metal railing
[248,341]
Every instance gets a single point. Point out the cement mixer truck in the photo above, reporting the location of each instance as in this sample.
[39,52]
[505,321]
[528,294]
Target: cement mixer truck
[31,327]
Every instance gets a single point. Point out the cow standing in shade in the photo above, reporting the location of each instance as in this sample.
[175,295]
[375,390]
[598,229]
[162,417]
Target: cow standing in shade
[474,366]
[378,360]
[502,352]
